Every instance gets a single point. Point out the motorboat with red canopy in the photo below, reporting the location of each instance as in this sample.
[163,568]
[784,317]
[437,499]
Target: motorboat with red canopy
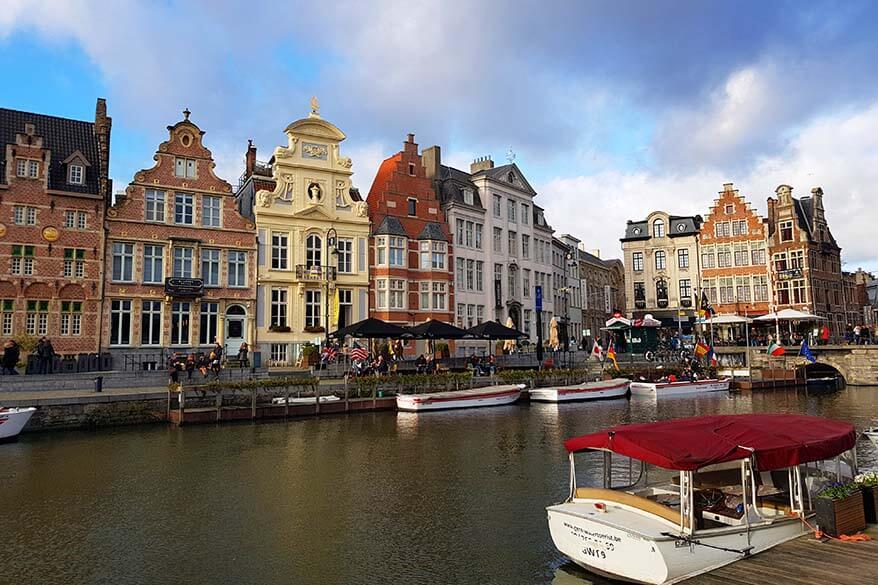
[686,496]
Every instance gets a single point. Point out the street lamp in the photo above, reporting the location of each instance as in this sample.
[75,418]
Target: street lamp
[329,274]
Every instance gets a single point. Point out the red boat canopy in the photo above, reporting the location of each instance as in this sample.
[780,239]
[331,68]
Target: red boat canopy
[775,440]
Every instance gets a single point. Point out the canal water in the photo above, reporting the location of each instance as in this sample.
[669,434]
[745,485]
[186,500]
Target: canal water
[445,497]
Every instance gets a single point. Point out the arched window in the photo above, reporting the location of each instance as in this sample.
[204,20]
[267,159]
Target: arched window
[313,250]
[658,228]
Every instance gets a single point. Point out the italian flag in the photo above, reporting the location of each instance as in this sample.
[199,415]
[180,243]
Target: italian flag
[775,350]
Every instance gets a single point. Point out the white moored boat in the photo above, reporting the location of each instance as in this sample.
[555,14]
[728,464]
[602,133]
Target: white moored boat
[487,396]
[281,400]
[679,387]
[699,493]
[12,420]
[872,435]
[615,388]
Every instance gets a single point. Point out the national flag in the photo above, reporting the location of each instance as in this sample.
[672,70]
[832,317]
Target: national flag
[775,350]
[704,307]
[806,351]
[359,354]
[711,357]
[701,349]
[596,350]
[328,354]
[611,355]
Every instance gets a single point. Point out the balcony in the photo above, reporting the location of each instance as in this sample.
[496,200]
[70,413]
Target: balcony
[316,273]
[686,302]
[662,303]
[639,304]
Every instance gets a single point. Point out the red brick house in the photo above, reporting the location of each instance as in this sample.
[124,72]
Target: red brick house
[411,278]
[181,260]
[53,193]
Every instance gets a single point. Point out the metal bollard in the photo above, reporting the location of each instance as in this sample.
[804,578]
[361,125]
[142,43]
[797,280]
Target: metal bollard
[99,384]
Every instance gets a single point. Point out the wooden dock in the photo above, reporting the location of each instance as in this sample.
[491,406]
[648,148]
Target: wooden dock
[804,561]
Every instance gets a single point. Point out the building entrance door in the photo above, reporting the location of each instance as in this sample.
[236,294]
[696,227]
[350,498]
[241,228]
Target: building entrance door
[236,329]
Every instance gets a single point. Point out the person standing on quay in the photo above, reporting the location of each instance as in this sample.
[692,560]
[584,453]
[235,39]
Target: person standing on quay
[45,354]
[11,354]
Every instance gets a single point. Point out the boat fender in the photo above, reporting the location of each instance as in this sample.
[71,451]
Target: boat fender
[600,506]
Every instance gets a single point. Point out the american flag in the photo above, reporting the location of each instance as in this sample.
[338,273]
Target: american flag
[359,354]
[329,353]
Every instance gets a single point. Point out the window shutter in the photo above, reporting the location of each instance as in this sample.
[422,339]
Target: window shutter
[361,255]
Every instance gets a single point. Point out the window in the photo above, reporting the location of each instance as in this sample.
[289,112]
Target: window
[185,168]
[479,275]
[683,258]
[726,290]
[459,233]
[425,255]
[381,293]
[237,268]
[658,228]
[180,315]
[740,228]
[742,289]
[468,196]
[69,219]
[123,262]
[24,215]
[155,205]
[209,317]
[513,208]
[120,322]
[183,208]
[797,259]
[397,251]
[153,264]
[279,354]
[478,236]
[742,255]
[22,262]
[345,256]
[760,288]
[459,265]
[74,263]
[21,167]
[461,311]
[210,267]
[723,257]
[730,209]
[757,253]
[780,262]
[37,317]
[412,206]
[425,295]
[75,174]
[278,307]
[498,239]
[639,291]
[637,261]
[81,220]
[525,213]
[660,260]
[525,246]
[708,258]
[469,234]
[71,318]
[7,310]
[33,169]
[527,319]
[786,231]
[439,296]
[312,308]
[397,294]
[437,259]
[525,283]
[480,314]
[470,274]
[151,323]
[211,211]
[685,289]
[183,262]
[412,169]
[279,251]
[512,283]
[497,205]
[470,315]
[513,244]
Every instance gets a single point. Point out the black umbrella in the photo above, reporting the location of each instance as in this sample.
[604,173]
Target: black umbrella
[371,328]
[433,329]
[493,330]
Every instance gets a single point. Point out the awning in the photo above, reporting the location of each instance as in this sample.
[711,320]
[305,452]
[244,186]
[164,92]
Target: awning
[731,319]
[775,440]
[789,315]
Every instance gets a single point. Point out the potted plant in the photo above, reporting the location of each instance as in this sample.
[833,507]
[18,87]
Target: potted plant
[310,354]
[868,482]
[279,328]
[839,509]
[442,351]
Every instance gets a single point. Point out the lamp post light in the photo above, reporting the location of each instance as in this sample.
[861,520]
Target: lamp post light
[329,275]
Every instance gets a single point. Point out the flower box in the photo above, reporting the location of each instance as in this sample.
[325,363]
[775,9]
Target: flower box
[870,504]
[841,516]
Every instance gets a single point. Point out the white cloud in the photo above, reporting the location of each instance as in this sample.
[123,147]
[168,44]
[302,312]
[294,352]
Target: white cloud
[838,153]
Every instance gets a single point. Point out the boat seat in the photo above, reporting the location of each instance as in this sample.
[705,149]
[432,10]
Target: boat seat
[631,501]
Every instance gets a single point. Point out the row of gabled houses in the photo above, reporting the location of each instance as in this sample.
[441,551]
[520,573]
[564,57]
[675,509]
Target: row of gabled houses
[181,259]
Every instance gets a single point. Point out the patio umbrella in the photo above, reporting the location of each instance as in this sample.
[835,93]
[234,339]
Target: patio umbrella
[434,329]
[731,319]
[789,315]
[493,330]
[617,323]
[554,342]
[371,328]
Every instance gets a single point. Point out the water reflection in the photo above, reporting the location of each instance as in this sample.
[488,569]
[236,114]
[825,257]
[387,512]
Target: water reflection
[455,496]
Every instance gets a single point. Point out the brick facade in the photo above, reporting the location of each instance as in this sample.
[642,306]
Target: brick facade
[179,220]
[53,188]
[734,259]
[403,204]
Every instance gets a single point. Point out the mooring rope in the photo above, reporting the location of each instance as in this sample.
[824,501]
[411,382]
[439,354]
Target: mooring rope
[680,537]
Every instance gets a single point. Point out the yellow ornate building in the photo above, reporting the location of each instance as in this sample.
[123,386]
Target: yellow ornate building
[313,231]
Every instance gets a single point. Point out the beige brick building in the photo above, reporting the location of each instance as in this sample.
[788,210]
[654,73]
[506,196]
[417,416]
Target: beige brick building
[181,261]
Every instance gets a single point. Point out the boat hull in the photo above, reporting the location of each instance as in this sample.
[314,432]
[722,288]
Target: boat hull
[609,549]
[872,435]
[605,389]
[658,389]
[280,400]
[491,396]
[12,420]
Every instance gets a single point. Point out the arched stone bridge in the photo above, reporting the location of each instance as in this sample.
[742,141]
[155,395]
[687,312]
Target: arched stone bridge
[857,363]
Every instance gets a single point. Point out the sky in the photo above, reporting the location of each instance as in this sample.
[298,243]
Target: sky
[613,109]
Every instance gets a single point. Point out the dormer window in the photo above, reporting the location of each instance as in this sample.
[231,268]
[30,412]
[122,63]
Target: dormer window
[185,168]
[468,196]
[412,169]
[21,167]
[658,228]
[75,174]
[33,169]
[730,208]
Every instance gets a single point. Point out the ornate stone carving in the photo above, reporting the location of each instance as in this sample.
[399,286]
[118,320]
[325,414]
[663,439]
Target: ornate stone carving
[315,192]
[360,209]
[312,150]
[340,199]
[263,198]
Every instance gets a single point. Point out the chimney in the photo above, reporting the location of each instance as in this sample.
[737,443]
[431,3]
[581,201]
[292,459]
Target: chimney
[596,253]
[817,195]
[103,125]
[410,146]
[431,158]
[481,164]
[250,159]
